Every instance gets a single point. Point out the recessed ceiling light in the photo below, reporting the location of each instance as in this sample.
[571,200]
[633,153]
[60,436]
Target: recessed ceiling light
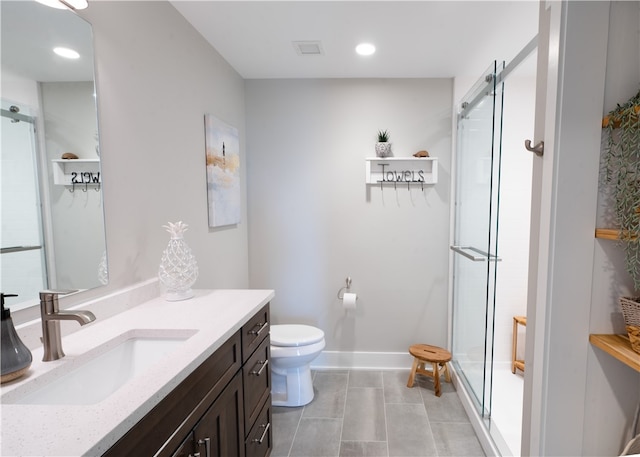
[66,53]
[365,49]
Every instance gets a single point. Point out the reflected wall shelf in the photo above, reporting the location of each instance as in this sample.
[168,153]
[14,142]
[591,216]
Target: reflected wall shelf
[617,346]
[401,170]
[82,171]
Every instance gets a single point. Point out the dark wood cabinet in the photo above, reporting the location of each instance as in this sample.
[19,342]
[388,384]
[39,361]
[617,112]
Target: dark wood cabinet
[223,408]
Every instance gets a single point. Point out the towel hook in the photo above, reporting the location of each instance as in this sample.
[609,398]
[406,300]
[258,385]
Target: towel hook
[538,149]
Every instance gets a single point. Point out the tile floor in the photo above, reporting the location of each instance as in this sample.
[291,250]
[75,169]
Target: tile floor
[371,414]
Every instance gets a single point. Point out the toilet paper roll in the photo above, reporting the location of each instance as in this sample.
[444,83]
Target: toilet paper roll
[349,301]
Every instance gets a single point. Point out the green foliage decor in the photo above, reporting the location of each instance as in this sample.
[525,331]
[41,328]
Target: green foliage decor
[383,136]
[621,163]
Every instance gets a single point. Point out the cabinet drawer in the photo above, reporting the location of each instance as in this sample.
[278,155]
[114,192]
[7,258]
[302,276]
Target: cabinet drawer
[254,331]
[259,440]
[257,383]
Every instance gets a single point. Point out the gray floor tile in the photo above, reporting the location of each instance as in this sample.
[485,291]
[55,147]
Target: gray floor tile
[317,438]
[285,424]
[365,378]
[456,440]
[329,398]
[446,408]
[374,413]
[409,431]
[364,449]
[364,415]
[396,390]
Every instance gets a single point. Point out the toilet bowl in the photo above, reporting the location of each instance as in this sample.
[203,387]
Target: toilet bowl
[293,348]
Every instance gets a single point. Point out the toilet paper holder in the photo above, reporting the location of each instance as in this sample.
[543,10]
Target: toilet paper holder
[344,289]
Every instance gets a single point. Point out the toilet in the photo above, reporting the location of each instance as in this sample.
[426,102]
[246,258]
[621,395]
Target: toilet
[293,348]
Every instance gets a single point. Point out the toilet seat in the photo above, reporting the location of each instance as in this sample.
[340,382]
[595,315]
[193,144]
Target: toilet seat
[290,335]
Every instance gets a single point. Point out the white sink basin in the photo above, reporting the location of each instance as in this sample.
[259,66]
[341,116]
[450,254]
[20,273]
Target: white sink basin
[96,375]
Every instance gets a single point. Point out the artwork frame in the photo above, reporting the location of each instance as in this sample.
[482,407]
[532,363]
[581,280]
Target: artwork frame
[222,154]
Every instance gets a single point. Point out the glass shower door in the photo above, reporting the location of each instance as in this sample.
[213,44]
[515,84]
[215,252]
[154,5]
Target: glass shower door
[22,256]
[475,236]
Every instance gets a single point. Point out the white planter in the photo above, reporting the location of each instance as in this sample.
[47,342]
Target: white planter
[383,149]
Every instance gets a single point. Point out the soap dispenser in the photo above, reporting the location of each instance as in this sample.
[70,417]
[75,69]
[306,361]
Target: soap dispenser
[15,357]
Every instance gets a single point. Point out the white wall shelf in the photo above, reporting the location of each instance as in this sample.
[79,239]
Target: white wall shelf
[67,172]
[401,170]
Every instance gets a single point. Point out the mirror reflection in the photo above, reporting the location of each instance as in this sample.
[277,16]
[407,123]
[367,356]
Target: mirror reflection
[51,208]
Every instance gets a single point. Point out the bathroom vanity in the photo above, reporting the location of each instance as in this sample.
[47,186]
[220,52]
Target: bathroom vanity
[209,393]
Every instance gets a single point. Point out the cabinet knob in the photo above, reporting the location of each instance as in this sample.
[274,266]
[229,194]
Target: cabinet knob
[207,446]
[264,433]
[261,326]
[263,364]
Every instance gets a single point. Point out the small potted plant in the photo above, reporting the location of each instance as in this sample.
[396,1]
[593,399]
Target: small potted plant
[383,147]
[621,160]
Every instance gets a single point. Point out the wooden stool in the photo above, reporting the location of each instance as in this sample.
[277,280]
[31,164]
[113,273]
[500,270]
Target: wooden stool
[437,357]
[517,320]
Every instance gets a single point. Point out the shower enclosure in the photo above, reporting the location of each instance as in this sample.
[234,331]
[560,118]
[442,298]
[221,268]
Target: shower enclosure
[490,245]
[22,253]
[475,236]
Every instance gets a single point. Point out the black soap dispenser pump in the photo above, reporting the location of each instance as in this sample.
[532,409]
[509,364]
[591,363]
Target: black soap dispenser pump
[15,357]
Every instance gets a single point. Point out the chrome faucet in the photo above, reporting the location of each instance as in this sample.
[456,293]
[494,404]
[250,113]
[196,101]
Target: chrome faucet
[51,317]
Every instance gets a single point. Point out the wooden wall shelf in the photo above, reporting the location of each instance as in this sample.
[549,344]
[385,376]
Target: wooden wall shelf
[617,346]
[617,120]
[611,234]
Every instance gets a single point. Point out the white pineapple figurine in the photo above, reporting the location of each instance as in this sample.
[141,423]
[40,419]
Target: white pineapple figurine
[103,271]
[178,267]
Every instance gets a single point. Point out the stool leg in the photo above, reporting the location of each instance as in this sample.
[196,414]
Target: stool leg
[436,379]
[412,375]
[447,376]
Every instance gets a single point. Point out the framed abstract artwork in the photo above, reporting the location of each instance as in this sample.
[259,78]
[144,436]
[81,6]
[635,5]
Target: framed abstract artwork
[223,172]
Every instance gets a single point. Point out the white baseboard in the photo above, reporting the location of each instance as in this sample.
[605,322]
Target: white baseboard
[363,360]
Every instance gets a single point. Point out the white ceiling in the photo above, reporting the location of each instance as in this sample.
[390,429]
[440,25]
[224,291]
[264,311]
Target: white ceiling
[413,38]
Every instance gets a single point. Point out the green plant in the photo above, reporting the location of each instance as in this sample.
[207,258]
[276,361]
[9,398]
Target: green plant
[621,164]
[383,136]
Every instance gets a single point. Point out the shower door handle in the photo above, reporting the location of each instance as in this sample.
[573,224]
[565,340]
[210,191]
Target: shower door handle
[474,254]
[18,249]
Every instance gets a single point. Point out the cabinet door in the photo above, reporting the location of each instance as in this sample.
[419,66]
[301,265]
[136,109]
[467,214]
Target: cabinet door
[220,432]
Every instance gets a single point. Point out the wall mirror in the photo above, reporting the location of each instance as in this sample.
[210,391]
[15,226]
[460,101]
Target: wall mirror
[52,234]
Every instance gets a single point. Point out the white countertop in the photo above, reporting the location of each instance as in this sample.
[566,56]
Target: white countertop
[74,430]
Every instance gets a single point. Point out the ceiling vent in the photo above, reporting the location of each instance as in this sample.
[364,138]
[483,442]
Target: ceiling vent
[308,48]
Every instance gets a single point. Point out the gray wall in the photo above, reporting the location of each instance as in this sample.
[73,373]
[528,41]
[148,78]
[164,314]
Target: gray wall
[156,78]
[314,221]
[612,387]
